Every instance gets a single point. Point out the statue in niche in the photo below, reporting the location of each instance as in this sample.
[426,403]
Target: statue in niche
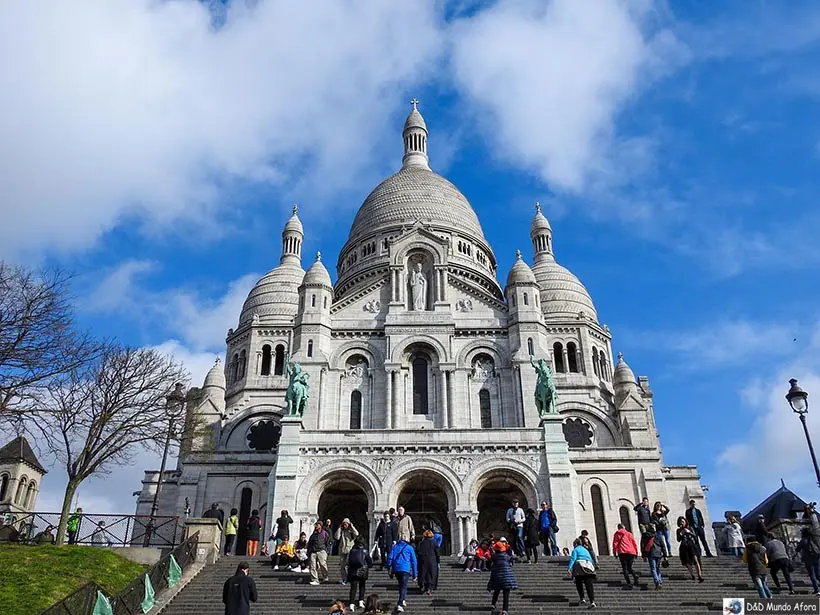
[544,388]
[418,288]
[297,393]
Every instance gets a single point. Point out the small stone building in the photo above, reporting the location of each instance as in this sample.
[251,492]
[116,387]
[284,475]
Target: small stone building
[20,476]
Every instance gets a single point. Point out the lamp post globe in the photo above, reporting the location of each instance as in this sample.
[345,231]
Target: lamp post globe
[798,398]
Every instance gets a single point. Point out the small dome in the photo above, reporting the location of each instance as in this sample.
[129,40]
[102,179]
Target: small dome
[414,120]
[276,294]
[623,373]
[294,224]
[562,294]
[539,222]
[520,273]
[216,377]
[317,274]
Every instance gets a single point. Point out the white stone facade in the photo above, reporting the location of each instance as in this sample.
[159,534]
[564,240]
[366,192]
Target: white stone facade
[421,388]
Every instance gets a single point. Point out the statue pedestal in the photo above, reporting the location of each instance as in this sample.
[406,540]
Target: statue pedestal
[562,479]
[282,477]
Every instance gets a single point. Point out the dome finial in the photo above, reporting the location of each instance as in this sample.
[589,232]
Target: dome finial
[620,356]
[538,207]
[318,257]
[415,139]
[518,255]
[295,208]
[415,102]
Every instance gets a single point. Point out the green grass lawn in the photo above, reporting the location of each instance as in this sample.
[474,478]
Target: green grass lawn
[33,578]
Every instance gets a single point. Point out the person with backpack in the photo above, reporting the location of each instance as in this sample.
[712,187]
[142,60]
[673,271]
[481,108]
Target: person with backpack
[779,561]
[283,524]
[253,526]
[548,525]
[403,565]
[317,554]
[653,552]
[231,528]
[359,563]
[429,559]
[757,561]
[625,548]
[810,557]
[587,544]
[582,569]
[689,550]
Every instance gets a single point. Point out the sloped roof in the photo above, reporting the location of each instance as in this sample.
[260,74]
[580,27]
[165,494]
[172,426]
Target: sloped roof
[20,450]
[782,504]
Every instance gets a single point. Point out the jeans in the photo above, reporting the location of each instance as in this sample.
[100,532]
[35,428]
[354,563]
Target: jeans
[519,539]
[403,578]
[585,582]
[655,569]
[626,567]
[813,568]
[505,604]
[549,542]
[356,587]
[782,565]
[760,583]
[229,540]
[343,566]
[666,543]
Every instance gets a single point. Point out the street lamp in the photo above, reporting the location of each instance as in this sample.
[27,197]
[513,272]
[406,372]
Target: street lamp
[172,402]
[799,401]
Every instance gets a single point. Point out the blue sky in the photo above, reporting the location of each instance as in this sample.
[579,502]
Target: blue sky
[156,151]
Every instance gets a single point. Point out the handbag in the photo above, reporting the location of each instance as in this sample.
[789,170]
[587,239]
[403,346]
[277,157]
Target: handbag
[665,563]
[583,567]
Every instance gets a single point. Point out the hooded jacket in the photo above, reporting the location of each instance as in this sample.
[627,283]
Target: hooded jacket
[624,543]
[403,558]
[346,537]
[755,558]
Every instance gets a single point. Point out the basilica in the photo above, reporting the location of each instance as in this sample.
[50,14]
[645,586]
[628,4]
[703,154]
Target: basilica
[420,373]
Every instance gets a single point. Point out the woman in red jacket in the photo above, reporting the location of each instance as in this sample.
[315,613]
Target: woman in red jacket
[625,547]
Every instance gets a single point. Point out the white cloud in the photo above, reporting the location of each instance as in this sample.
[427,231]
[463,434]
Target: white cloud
[548,80]
[117,287]
[197,363]
[142,110]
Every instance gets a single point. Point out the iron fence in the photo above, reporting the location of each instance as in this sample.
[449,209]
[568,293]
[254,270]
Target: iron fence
[116,531]
[129,600]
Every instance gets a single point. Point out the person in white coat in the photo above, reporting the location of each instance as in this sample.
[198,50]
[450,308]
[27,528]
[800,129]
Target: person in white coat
[734,537]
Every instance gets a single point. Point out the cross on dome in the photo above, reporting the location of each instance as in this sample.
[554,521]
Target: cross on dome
[415,102]
[318,257]
[518,254]
[295,208]
[538,207]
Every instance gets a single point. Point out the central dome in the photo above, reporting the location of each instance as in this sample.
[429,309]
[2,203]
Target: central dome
[416,193]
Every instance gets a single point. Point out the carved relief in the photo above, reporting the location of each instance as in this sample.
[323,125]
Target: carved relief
[356,373]
[464,305]
[306,466]
[483,368]
[382,466]
[373,306]
[462,465]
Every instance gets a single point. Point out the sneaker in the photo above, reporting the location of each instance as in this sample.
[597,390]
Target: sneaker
[276,567]
[342,582]
[400,609]
[315,583]
[352,608]
[361,604]
[592,605]
[583,601]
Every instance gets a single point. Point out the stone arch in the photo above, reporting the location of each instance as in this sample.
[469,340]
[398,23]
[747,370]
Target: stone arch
[513,470]
[244,420]
[312,487]
[439,470]
[594,415]
[467,354]
[587,485]
[343,352]
[432,246]
[399,350]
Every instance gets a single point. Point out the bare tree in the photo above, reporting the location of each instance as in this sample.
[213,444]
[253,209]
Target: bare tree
[96,417]
[38,339]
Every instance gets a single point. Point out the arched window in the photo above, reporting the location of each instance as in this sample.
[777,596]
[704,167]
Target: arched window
[526,299]
[558,351]
[21,491]
[279,360]
[324,303]
[235,368]
[626,519]
[604,366]
[572,357]
[4,487]
[419,385]
[356,410]
[30,494]
[243,362]
[313,301]
[513,300]
[486,409]
[310,348]
[530,347]
[600,520]
[266,360]
[301,302]
[595,366]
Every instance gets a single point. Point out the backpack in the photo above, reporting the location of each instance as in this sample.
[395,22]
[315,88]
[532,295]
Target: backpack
[649,544]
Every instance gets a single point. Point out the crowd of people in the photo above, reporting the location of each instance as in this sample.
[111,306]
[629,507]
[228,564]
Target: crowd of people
[410,557]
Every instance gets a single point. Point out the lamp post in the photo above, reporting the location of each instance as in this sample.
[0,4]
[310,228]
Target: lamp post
[799,401]
[172,402]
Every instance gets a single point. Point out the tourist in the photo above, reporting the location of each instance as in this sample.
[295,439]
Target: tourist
[253,526]
[644,515]
[484,554]
[515,518]
[582,569]
[382,531]
[404,523]
[734,536]
[328,529]
[755,558]
[337,608]
[653,552]
[435,527]
[46,537]
[429,558]
[468,558]
[283,524]
[548,523]
[317,554]
[345,536]
[761,532]
[269,547]
[372,606]
[810,555]
[502,579]
[100,536]
[689,550]
[779,561]
[694,518]
[231,528]
[214,513]
[625,548]
[73,526]
[300,549]
[358,567]
[239,591]
[565,551]
[532,530]
[404,566]
[661,522]
[587,544]
[284,555]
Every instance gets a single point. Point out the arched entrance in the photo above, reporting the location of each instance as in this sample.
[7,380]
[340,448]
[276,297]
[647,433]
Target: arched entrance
[345,497]
[423,495]
[245,503]
[496,495]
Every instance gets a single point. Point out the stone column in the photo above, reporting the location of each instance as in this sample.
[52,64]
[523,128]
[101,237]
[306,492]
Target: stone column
[389,400]
[448,382]
[282,477]
[459,544]
[445,412]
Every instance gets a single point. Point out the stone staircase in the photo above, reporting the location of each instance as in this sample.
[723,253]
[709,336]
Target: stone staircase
[543,588]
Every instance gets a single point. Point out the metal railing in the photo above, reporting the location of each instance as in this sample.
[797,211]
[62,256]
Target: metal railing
[129,600]
[117,531]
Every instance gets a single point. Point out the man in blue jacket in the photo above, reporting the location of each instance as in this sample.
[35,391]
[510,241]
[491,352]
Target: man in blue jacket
[548,525]
[402,563]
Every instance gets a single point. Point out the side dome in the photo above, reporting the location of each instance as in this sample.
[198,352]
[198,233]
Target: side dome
[623,374]
[317,274]
[562,294]
[520,273]
[215,377]
[276,294]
